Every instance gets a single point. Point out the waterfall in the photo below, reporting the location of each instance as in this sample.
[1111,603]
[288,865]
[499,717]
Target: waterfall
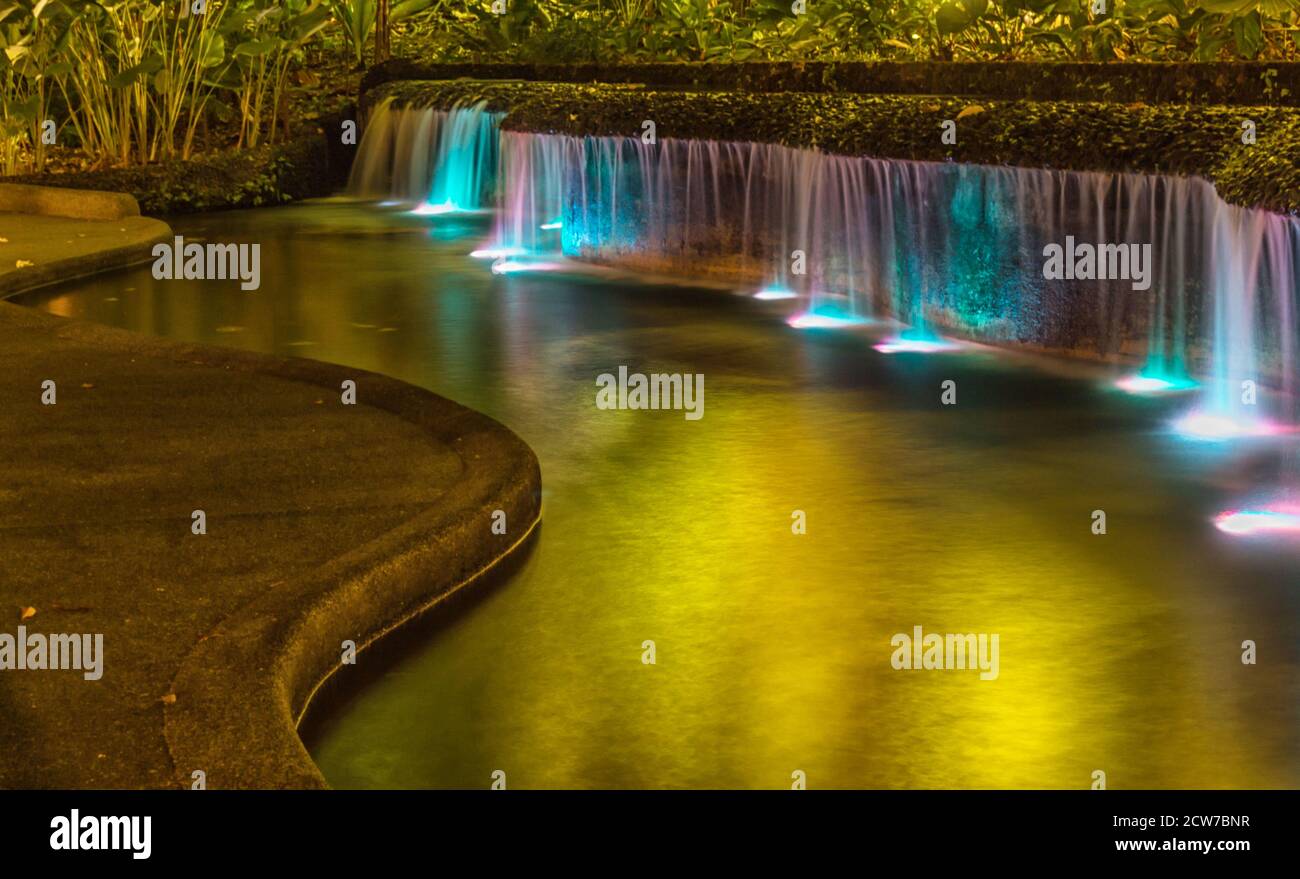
[440,160]
[941,247]
[532,192]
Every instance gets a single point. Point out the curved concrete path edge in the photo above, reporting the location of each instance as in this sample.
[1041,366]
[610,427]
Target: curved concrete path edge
[142,232]
[242,690]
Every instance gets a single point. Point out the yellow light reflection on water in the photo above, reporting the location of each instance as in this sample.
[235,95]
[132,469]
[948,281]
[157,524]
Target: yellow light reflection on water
[1117,652]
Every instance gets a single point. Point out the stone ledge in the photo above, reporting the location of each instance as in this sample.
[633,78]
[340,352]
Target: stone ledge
[1248,83]
[77,204]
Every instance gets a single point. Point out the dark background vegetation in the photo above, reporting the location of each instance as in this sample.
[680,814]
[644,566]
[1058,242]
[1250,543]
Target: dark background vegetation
[207,103]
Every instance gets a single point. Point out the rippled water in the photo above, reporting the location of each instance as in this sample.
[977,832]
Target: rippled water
[1119,652]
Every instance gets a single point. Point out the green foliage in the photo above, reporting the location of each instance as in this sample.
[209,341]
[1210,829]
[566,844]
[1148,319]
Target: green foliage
[739,30]
[136,81]
[267,36]
[357,19]
[1118,30]
[132,81]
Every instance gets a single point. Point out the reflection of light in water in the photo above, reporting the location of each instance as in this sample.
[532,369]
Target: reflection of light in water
[775,293]
[810,430]
[496,252]
[555,225]
[825,319]
[426,209]
[1281,519]
[1149,384]
[511,266]
[1200,424]
[60,305]
[904,345]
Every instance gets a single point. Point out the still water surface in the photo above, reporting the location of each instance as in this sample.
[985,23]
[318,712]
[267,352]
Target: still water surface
[1118,652]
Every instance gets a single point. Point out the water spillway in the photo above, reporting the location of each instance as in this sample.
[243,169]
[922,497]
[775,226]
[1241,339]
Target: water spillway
[1155,271]
[439,160]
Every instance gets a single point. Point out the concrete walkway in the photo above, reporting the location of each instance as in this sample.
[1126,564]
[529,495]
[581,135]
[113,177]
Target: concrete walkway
[324,522]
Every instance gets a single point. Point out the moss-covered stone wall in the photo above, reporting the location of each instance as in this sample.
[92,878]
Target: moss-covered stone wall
[268,175]
[1177,139]
[1241,83]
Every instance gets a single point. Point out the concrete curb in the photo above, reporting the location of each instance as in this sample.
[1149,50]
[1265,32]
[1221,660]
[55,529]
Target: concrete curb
[138,234]
[76,204]
[243,688]
[240,729]
[142,234]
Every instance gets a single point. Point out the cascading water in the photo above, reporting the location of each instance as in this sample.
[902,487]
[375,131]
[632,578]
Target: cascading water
[532,193]
[940,247]
[439,160]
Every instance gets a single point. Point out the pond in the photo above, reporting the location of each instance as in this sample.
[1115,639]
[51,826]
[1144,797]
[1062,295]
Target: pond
[1119,652]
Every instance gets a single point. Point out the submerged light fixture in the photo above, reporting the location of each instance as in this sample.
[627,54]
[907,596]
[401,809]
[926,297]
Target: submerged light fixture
[825,318]
[1280,519]
[433,210]
[1205,425]
[774,293]
[905,345]
[1150,384]
[514,266]
[496,252]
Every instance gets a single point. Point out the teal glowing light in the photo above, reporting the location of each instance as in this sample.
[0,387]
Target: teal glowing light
[466,160]
[1282,519]
[556,224]
[825,318]
[433,210]
[772,293]
[904,345]
[1150,384]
